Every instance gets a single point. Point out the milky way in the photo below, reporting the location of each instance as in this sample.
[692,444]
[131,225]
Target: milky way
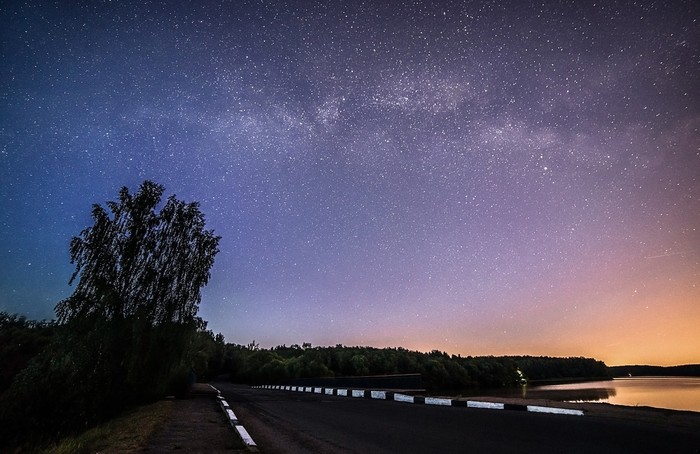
[474,177]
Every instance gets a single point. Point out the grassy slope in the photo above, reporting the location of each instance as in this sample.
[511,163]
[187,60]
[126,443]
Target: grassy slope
[127,433]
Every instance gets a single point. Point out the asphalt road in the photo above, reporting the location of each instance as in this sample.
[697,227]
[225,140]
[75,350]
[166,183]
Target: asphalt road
[294,422]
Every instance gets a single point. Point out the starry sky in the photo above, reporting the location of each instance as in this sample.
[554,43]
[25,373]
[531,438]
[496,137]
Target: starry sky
[478,177]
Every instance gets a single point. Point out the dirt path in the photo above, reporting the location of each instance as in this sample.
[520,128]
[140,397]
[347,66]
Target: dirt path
[197,425]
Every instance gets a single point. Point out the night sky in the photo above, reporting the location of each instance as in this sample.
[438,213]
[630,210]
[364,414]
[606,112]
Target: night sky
[482,178]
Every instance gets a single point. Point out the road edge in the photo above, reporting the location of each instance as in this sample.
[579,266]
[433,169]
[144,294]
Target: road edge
[235,423]
[399,397]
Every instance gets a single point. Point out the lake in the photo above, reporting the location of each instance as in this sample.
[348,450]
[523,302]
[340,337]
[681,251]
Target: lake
[677,393]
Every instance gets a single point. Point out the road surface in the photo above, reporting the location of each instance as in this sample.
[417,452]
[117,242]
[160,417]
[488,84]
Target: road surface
[294,422]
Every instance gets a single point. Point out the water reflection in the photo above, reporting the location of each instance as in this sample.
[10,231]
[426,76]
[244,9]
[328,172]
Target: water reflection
[678,393]
[587,394]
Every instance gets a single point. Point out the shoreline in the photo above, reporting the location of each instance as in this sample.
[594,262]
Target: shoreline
[682,419]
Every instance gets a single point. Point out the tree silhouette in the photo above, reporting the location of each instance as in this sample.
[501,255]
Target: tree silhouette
[130,331]
[133,310]
[139,263]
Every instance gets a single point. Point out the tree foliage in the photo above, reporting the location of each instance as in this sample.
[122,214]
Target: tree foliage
[20,341]
[139,263]
[685,370]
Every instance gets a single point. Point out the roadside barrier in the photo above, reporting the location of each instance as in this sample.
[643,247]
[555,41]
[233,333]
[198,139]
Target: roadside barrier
[440,401]
[235,423]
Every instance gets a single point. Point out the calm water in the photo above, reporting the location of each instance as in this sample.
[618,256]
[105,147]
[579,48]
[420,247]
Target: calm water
[677,393]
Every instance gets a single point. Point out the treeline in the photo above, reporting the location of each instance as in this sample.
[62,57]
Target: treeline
[21,340]
[545,368]
[687,370]
[57,379]
[439,371]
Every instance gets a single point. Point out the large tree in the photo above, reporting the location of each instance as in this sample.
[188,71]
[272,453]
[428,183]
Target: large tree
[138,262]
[132,315]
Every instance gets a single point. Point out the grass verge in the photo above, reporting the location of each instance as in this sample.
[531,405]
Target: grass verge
[127,433]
